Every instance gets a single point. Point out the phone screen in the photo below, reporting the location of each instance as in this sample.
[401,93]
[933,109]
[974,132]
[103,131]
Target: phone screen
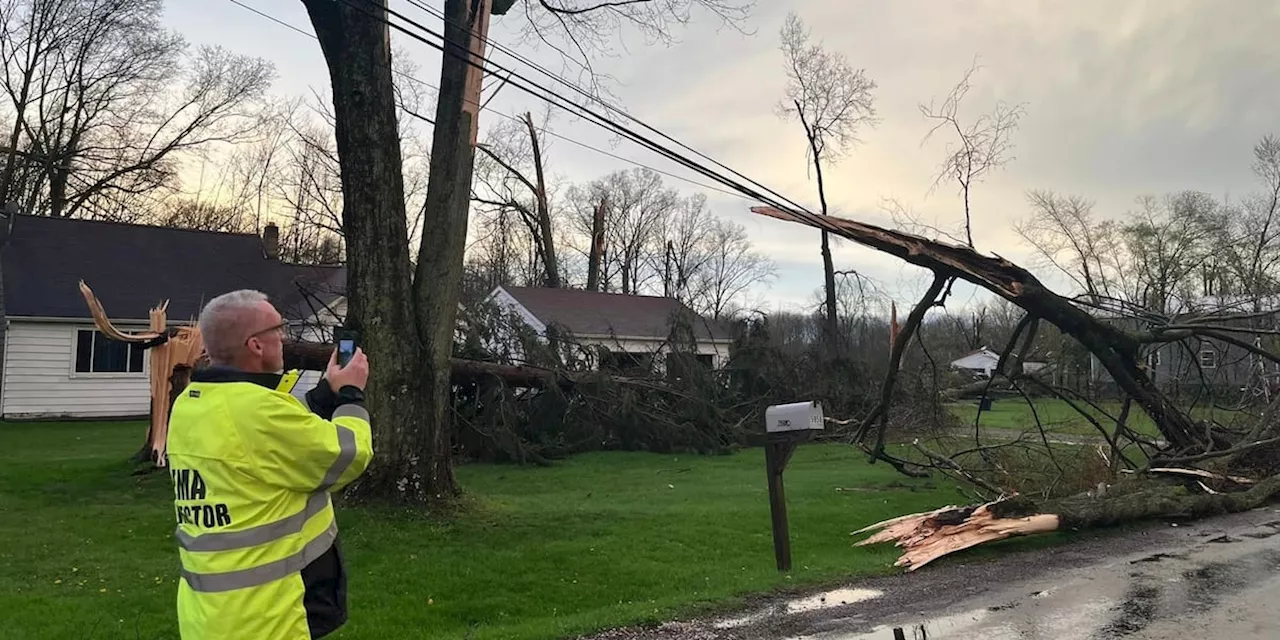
[346,349]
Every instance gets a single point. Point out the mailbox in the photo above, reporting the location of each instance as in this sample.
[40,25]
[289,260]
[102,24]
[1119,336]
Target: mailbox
[797,416]
[787,425]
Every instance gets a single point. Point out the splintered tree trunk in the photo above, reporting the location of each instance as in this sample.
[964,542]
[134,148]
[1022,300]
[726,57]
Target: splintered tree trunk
[545,236]
[597,247]
[438,281]
[831,324]
[401,396]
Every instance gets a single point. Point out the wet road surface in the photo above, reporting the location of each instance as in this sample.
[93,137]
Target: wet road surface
[1217,578]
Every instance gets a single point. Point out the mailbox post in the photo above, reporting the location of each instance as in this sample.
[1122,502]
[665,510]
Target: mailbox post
[786,426]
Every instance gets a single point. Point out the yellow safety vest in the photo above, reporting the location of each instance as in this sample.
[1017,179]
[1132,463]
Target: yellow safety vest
[252,469]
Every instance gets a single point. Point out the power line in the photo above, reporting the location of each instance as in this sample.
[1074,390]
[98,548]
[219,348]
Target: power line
[548,132]
[579,90]
[556,99]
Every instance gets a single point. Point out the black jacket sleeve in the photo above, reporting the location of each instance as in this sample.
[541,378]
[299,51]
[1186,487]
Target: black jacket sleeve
[323,401]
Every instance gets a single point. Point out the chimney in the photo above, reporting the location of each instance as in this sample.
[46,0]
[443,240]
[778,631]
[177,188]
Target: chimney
[271,241]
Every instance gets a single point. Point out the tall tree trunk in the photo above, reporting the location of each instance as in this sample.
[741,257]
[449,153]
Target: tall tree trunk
[546,238]
[438,281]
[597,247]
[357,49]
[830,327]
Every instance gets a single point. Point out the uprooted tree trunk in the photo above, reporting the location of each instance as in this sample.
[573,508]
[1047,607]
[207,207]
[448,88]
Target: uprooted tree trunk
[927,536]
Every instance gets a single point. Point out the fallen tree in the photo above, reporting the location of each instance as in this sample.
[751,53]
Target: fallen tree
[1232,455]
[925,537]
[175,351]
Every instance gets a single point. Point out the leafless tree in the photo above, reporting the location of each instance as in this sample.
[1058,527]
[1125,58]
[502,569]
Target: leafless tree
[581,31]
[638,206]
[409,309]
[205,216]
[978,147]
[682,248]
[517,183]
[1067,236]
[832,102]
[730,267]
[105,103]
[1251,260]
[1169,242]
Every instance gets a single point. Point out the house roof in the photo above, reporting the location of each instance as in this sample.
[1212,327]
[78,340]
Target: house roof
[131,268]
[589,313]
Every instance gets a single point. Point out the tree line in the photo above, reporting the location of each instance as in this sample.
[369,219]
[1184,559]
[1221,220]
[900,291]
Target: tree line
[108,115]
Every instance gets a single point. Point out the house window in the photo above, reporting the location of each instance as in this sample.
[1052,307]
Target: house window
[96,353]
[1208,358]
[1153,359]
[627,363]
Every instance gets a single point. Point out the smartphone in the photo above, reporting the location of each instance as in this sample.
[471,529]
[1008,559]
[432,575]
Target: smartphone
[347,340]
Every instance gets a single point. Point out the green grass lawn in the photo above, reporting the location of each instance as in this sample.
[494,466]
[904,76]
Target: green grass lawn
[598,541]
[1059,417]
[1056,415]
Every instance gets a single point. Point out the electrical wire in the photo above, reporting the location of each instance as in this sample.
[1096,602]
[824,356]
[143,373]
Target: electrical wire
[590,96]
[419,116]
[557,100]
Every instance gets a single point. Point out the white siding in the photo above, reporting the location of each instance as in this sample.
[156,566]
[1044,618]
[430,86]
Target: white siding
[39,382]
[718,350]
[981,361]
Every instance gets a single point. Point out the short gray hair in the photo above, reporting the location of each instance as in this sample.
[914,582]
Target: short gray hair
[221,323]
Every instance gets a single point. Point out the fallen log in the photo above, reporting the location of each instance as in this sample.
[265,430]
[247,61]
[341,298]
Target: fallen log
[312,356]
[925,537]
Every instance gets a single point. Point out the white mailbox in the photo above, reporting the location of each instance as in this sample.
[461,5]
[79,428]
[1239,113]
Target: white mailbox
[797,416]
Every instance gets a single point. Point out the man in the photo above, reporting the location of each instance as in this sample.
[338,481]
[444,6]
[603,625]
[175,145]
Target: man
[252,468]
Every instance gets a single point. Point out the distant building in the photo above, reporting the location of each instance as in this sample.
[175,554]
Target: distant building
[56,364]
[983,362]
[1201,363]
[632,331]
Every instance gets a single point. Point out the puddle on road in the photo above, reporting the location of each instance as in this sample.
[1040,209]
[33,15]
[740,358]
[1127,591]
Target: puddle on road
[836,598]
[988,624]
[825,600]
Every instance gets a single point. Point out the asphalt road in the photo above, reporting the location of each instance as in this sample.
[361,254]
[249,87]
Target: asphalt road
[1215,578]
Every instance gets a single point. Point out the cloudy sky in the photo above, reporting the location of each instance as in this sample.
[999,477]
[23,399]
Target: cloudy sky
[1123,98]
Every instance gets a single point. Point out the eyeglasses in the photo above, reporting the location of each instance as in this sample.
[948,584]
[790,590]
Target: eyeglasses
[279,329]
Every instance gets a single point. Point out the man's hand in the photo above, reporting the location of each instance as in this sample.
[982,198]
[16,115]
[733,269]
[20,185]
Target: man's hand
[355,374]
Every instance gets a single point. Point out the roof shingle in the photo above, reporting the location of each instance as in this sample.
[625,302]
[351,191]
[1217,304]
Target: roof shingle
[131,268]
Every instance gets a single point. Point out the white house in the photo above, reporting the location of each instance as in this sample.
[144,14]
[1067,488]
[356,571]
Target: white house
[57,365]
[983,362]
[630,328]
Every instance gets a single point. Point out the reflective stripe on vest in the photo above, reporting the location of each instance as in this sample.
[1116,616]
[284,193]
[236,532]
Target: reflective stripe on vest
[254,536]
[270,572]
[272,531]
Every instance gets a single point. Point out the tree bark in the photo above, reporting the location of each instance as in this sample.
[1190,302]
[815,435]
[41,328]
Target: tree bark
[438,281]
[547,239]
[357,49]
